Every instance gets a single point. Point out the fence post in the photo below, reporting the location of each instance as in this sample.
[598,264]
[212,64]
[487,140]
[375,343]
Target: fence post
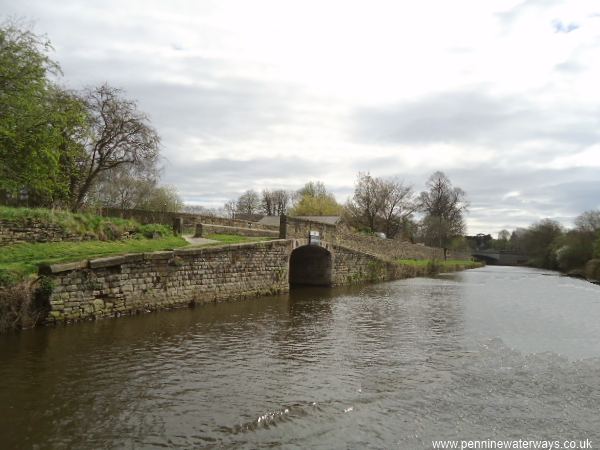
[177,226]
[283,226]
[198,232]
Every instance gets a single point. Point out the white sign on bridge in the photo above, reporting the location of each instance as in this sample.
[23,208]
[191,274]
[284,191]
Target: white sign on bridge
[314,238]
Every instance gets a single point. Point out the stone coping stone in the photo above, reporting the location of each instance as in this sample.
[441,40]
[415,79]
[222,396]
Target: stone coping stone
[107,262]
[229,247]
[47,269]
[168,254]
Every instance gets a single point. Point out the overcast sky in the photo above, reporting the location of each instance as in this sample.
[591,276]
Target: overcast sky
[501,95]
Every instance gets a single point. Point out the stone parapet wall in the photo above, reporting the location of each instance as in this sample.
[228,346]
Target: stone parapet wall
[294,228]
[13,232]
[389,248]
[109,287]
[189,220]
[352,266]
[204,229]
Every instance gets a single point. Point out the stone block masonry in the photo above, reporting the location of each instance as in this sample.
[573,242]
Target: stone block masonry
[13,232]
[351,266]
[189,220]
[110,287]
[292,227]
[389,248]
[204,229]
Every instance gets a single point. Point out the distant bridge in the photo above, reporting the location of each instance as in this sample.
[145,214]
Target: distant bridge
[500,257]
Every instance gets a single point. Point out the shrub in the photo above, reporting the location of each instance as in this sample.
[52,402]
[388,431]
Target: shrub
[574,250]
[83,224]
[7,278]
[24,304]
[151,231]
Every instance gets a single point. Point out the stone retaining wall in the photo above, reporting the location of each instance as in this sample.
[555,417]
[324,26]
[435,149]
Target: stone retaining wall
[13,232]
[351,266]
[389,248]
[204,229]
[109,287]
[189,220]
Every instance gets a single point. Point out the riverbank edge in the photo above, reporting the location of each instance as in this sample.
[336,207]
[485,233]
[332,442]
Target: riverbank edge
[47,305]
[590,272]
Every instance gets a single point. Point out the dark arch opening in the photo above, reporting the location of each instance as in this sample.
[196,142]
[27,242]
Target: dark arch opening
[486,259]
[310,265]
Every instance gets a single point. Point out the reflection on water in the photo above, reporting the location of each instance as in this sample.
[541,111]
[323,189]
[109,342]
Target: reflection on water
[490,353]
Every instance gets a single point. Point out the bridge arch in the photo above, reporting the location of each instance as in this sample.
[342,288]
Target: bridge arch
[311,265]
[487,259]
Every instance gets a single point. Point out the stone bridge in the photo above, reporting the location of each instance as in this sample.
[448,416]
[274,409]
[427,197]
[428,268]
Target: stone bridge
[500,258]
[323,263]
[126,284]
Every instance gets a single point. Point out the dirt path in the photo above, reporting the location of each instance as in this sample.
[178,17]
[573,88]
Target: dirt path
[198,240]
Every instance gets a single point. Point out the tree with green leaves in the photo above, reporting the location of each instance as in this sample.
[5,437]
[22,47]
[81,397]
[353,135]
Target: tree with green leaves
[313,199]
[39,122]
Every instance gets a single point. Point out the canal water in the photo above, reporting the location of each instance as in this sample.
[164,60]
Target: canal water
[492,353]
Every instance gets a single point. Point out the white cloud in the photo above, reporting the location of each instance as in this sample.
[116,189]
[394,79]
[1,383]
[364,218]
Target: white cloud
[497,93]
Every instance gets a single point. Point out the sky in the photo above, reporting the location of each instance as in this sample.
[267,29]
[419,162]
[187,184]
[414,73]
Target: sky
[501,95]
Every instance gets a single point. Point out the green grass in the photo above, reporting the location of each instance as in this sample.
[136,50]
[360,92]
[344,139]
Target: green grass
[83,224]
[235,239]
[77,223]
[20,260]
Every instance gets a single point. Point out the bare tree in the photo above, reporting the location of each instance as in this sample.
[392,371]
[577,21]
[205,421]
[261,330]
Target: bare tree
[230,208]
[248,203]
[397,205]
[380,205]
[367,202]
[126,186]
[444,206]
[275,203]
[588,221]
[267,202]
[504,235]
[118,134]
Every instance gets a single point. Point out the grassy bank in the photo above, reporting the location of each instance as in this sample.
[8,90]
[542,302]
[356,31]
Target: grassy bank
[433,266]
[235,239]
[83,224]
[19,260]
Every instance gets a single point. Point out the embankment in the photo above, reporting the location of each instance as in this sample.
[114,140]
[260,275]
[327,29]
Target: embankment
[108,287]
[352,266]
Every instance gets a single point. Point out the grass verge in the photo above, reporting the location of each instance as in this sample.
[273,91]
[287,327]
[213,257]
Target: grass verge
[76,223]
[433,266]
[20,260]
[235,239]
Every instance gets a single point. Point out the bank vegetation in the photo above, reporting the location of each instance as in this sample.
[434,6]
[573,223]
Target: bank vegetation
[549,245]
